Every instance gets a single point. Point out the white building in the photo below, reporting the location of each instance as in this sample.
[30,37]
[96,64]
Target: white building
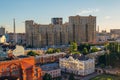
[18,51]
[2,39]
[52,69]
[77,66]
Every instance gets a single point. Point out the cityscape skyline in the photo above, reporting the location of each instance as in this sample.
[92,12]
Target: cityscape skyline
[33,10]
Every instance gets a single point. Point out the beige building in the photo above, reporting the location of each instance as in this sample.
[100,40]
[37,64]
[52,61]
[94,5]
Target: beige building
[77,66]
[83,28]
[20,38]
[79,29]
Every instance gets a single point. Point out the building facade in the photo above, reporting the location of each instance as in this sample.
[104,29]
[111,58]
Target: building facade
[23,69]
[56,21]
[47,58]
[76,66]
[103,37]
[115,34]
[78,29]
[52,69]
[20,38]
[2,31]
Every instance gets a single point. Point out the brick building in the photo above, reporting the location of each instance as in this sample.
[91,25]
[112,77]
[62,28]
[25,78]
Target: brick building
[22,69]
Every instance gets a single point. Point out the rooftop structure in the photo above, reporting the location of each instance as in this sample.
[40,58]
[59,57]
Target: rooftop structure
[50,66]
[52,69]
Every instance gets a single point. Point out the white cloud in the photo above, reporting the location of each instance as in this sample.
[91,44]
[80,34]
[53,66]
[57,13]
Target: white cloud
[107,17]
[88,11]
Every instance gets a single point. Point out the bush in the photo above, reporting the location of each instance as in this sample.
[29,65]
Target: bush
[32,53]
[52,50]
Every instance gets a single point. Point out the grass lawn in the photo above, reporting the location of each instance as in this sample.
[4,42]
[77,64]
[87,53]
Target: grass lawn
[106,77]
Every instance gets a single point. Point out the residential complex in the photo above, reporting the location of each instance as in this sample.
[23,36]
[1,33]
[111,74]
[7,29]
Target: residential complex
[78,29]
[80,66]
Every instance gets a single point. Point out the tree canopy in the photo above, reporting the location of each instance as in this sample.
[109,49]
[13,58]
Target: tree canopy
[112,56]
[85,51]
[53,50]
[94,49]
[32,53]
[47,77]
[71,77]
[74,48]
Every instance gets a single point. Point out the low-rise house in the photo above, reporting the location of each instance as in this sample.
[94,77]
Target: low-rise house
[52,69]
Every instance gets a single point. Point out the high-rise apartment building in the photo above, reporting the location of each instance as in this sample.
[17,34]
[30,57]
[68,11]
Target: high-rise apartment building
[83,28]
[57,21]
[78,29]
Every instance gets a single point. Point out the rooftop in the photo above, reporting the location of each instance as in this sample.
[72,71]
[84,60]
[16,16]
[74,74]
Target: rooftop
[51,66]
[79,57]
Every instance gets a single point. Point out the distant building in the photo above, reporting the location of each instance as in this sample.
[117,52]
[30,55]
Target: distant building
[2,39]
[103,36]
[79,66]
[20,37]
[3,54]
[78,29]
[115,31]
[57,21]
[115,34]
[52,69]
[2,31]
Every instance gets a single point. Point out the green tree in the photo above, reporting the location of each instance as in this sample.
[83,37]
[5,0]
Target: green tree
[102,66]
[71,77]
[32,53]
[94,49]
[85,51]
[73,46]
[57,50]
[50,50]
[47,77]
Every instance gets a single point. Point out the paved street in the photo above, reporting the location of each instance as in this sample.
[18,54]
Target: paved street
[82,78]
[89,76]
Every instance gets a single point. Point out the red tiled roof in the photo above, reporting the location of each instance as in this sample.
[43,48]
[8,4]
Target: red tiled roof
[25,65]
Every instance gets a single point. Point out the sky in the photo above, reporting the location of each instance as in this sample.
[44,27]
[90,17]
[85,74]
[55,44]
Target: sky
[41,11]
